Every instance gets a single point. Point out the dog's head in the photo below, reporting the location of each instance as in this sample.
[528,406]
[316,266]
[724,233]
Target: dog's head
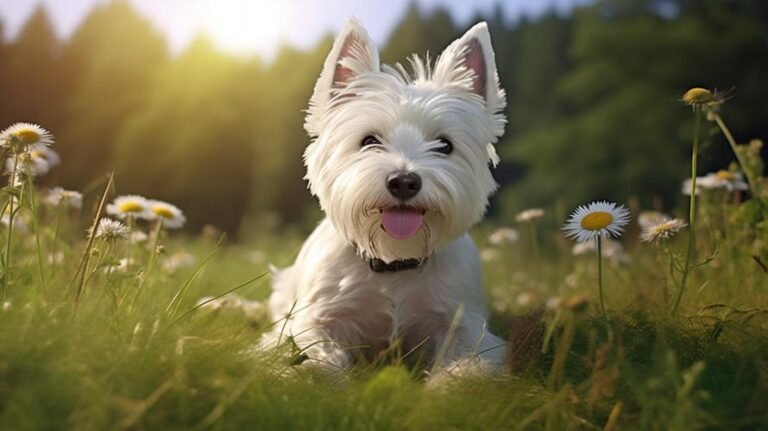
[400,161]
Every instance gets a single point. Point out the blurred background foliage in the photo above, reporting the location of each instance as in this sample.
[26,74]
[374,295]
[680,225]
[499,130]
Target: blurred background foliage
[593,109]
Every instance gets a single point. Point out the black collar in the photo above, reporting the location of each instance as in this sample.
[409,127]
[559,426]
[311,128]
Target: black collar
[378,265]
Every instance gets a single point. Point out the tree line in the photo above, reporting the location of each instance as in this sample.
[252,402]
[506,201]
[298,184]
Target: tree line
[593,110]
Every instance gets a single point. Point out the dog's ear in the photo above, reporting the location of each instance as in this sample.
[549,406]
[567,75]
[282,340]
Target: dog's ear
[352,55]
[469,63]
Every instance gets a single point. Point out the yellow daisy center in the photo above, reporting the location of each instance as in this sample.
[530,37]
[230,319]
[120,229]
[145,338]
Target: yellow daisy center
[698,95]
[130,207]
[725,175]
[27,136]
[596,220]
[163,212]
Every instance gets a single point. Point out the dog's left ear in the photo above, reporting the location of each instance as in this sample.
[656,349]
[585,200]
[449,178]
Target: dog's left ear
[469,62]
[352,55]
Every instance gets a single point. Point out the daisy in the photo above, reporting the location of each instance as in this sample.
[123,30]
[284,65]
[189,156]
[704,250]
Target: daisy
[529,215]
[109,229]
[137,236]
[598,219]
[729,180]
[169,215]
[503,235]
[67,198]
[664,229]
[594,222]
[121,266]
[22,135]
[130,206]
[650,218]
[37,160]
[179,260]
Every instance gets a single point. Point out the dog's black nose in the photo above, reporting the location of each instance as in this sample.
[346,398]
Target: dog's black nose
[404,186]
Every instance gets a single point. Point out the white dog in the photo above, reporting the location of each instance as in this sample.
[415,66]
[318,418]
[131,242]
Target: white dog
[400,162]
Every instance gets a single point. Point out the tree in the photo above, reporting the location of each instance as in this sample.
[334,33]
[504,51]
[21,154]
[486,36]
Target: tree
[192,142]
[30,88]
[110,60]
[622,132]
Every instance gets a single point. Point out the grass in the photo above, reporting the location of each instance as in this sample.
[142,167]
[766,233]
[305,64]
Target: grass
[136,352]
[106,366]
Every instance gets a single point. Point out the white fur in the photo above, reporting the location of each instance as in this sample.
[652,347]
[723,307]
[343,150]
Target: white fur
[333,302]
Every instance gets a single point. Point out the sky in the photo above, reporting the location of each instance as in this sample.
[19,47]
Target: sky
[246,27]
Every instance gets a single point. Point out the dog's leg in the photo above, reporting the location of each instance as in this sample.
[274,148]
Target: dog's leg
[471,351]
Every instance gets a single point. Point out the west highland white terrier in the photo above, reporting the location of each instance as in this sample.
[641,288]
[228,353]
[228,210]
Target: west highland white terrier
[400,162]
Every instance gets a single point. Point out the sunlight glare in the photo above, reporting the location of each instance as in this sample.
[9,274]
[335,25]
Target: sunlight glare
[245,26]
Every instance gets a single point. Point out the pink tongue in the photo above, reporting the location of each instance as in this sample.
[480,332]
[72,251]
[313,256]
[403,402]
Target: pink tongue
[401,223]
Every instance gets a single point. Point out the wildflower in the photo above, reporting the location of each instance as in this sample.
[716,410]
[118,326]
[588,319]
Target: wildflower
[664,229]
[698,96]
[650,218]
[20,221]
[129,206]
[252,310]
[598,219]
[489,254]
[137,236]
[169,215]
[121,266]
[530,214]
[525,298]
[553,303]
[503,235]
[67,198]
[728,180]
[179,260]
[22,135]
[35,161]
[109,229]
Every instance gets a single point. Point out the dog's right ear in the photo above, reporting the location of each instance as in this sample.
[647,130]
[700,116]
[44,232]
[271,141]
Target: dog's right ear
[352,55]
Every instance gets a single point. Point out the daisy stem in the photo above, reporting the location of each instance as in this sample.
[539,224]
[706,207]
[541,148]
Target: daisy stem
[83,267]
[691,209]
[599,242]
[100,260]
[36,224]
[150,265]
[734,147]
[7,260]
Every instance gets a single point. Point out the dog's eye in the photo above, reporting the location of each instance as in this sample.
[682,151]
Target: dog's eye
[369,140]
[445,147]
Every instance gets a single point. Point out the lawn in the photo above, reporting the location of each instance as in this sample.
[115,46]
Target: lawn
[113,331]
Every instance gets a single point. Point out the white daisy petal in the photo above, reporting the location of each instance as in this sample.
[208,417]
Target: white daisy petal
[603,219]
[130,206]
[168,214]
[26,134]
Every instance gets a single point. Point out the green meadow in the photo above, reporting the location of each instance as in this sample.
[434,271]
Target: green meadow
[120,311]
[133,325]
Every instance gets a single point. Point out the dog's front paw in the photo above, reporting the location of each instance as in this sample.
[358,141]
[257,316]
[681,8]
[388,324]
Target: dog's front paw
[463,369]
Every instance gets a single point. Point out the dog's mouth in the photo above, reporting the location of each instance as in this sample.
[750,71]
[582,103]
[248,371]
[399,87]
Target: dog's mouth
[402,222]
